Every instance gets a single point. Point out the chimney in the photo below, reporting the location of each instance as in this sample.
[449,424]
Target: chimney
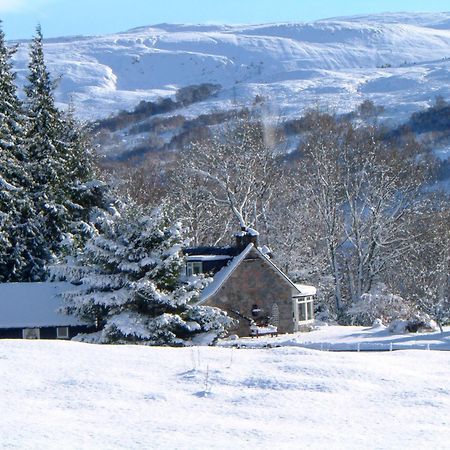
[245,237]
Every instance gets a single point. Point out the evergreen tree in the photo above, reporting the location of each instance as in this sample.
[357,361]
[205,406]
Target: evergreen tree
[131,284]
[18,222]
[46,149]
[66,197]
[86,198]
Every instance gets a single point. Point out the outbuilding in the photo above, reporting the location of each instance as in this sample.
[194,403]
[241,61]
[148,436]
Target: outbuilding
[31,311]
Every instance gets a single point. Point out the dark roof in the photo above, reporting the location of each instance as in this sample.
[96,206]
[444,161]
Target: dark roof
[226,251]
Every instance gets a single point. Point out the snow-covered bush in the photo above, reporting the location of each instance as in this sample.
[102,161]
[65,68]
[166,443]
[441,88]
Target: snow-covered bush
[130,284]
[377,323]
[379,304]
[398,326]
[416,323]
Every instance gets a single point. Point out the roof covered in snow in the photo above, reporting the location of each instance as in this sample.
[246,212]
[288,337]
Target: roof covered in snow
[305,289]
[208,257]
[33,305]
[252,232]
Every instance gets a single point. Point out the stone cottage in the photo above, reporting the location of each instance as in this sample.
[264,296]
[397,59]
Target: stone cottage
[251,288]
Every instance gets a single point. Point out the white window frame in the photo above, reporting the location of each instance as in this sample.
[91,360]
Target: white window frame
[303,301]
[26,330]
[193,268]
[59,335]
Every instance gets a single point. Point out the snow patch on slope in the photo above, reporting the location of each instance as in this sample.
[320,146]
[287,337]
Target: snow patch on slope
[400,60]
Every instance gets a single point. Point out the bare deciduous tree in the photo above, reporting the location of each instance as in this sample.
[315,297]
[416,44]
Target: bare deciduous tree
[321,176]
[364,190]
[235,170]
[423,274]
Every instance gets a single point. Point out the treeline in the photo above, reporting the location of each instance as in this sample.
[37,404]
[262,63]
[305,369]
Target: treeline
[183,131]
[162,135]
[156,134]
[434,119]
[184,97]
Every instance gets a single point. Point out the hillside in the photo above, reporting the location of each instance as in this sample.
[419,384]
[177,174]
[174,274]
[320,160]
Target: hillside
[401,61]
[66,394]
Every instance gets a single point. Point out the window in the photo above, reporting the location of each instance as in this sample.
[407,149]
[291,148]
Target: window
[193,268]
[310,310]
[305,309]
[302,313]
[31,333]
[62,333]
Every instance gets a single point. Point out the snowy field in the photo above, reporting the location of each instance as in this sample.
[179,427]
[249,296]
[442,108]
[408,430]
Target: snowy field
[57,395]
[339,338]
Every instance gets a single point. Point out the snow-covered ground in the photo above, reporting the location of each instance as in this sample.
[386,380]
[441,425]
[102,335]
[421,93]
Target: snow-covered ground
[401,61]
[351,338]
[69,395]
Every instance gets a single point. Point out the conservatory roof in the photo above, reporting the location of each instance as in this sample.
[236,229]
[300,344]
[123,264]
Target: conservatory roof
[306,290]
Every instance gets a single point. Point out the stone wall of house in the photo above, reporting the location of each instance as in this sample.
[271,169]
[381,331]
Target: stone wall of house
[252,290]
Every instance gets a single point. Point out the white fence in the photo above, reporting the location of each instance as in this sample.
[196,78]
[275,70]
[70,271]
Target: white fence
[370,347]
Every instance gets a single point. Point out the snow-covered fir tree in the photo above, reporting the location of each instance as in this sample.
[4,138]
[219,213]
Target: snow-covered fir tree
[86,197]
[20,238]
[131,284]
[67,198]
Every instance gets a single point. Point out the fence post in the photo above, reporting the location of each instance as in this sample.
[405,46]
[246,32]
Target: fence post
[390,346]
[358,347]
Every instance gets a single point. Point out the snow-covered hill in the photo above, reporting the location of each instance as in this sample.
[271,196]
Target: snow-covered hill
[399,60]
[68,395]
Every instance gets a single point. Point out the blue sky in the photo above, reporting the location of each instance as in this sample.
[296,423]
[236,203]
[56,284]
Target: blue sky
[73,17]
